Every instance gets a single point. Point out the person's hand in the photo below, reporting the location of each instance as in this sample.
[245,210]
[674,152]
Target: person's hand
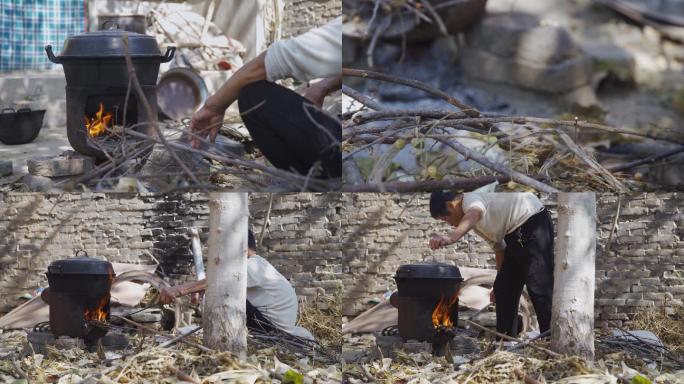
[437,242]
[492,297]
[168,294]
[206,121]
[316,95]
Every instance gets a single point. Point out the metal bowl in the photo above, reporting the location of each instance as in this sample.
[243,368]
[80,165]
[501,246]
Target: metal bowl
[181,91]
[21,126]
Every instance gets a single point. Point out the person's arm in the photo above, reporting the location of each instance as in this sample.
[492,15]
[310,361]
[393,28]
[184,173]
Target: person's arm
[318,91]
[470,218]
[167,294]
[209,118]
[314,54]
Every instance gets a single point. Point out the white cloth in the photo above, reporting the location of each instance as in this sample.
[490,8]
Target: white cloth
[502,213]
[273,296]
[312,55]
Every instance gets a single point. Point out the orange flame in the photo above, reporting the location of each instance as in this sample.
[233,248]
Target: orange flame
[441,315]
[99,124]
[98,313]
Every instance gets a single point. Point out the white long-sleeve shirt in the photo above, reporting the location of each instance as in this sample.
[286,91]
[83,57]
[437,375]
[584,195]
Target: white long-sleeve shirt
[271,293]
[312,55]
[502,213]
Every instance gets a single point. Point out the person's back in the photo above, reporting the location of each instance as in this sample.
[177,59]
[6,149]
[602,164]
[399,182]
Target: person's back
[501,212]
[271,293]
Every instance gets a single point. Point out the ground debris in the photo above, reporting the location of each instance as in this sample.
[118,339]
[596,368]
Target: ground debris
[323,317]
[154,364]
[499,367]
[495,365]
[668,328]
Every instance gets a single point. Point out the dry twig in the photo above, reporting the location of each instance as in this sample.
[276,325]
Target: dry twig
[470,111]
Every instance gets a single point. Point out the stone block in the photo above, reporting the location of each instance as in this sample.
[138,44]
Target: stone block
[614,316]
[5,168]
[68,163]
[633,211]
[413,346]
[639,303]
[651,281]
[37,183]
[612,60]
[675,289]
[673,274]
[637,288]
[637,274]
[515,49]
[147,316]
[658,296]
[610,302]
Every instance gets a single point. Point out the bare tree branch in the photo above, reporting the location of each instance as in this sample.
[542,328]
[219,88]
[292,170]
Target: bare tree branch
[470,111]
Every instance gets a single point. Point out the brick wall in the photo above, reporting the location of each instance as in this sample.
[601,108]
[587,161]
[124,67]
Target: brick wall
[645,267]
[302,15]
[36,229]
[302,239]
[328,242]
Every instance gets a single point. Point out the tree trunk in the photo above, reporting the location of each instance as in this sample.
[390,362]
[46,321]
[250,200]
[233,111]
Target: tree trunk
[224,307]
[572,318]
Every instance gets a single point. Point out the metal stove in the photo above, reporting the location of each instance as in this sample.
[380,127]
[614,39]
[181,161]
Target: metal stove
[78,297]
[427,301]
[98,81]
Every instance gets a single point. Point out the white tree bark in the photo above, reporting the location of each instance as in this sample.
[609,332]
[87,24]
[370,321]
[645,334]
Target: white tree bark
[572,318]
[224,318]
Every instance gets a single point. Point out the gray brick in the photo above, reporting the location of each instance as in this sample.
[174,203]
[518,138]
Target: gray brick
[640,303]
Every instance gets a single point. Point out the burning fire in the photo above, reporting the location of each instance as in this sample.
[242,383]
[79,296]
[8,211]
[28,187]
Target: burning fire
[98,313]
[99,124]
[441,315]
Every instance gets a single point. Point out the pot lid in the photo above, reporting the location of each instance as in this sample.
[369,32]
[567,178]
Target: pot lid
[110,43]
[81,266]
[428,271]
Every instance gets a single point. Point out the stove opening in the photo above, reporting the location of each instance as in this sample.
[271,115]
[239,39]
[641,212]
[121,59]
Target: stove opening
[441,315]
[97,310]
[105,111]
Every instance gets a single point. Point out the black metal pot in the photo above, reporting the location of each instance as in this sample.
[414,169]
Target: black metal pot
[77,285]
[420,288]
[428,280]
[21,126]
[80,276]
[98,58]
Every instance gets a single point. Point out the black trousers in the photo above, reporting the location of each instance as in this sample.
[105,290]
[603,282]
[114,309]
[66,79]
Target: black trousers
[291,132]
[257,321]
[528,260]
